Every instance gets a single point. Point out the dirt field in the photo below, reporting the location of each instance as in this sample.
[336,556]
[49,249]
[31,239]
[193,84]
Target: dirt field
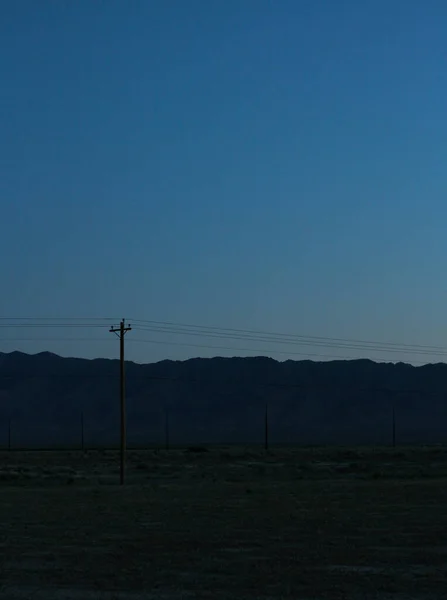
[226,523]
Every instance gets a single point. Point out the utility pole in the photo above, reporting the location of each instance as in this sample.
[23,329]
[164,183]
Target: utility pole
[82,431]
[394,427]
[167,428]
[266,429]
[121,332]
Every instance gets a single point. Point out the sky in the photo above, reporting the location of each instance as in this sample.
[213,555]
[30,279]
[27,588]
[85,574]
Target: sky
[248,164]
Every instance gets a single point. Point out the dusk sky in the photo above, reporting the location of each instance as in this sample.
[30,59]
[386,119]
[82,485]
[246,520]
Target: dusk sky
[250,164]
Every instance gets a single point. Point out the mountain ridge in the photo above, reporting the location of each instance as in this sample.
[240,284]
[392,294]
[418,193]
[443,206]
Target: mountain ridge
[220,400]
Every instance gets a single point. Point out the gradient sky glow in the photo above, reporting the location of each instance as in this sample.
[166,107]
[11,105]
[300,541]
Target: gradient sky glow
[274,165]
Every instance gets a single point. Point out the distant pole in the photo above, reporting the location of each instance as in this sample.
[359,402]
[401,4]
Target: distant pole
[266,427]
[394,427]
[82,431]
[167,428]
[9,434]
[121,332]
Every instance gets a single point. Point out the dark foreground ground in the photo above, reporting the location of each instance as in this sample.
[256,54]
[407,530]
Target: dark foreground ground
[226,524]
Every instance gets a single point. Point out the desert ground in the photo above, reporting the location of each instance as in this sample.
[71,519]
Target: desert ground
[225,523]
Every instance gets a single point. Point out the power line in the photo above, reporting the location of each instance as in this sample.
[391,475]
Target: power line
[229,334]
[225,332]
[58,319]
[303,342]
[53,326]
[64,339]
[288,335]
[172,327]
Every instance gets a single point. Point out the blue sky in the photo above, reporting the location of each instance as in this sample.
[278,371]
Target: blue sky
[249,164]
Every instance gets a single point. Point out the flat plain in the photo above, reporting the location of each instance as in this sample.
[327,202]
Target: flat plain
[225,523]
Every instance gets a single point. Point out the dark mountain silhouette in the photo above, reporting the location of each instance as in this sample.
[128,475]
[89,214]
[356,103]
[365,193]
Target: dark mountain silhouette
[220,400]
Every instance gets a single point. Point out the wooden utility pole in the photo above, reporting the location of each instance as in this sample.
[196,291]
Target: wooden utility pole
[167,428]
[121,332]
[266,427]
[394,427]
[82,431]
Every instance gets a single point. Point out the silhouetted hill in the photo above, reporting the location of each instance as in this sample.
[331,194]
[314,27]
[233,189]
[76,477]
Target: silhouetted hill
[220,400]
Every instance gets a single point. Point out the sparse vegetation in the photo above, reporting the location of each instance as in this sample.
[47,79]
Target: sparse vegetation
[228,523]
[197,449]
